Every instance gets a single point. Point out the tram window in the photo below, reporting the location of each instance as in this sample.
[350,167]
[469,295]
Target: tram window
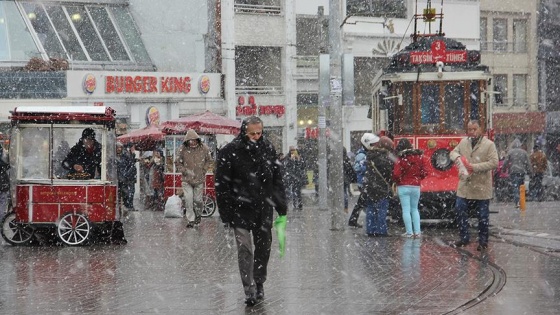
[429,108]
[454,103]
[475,103]
[35,151]
[407,120]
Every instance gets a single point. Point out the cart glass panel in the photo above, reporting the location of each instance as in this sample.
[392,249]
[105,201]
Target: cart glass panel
[41,149]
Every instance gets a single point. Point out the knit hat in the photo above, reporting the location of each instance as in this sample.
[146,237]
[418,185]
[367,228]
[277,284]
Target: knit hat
[88,133]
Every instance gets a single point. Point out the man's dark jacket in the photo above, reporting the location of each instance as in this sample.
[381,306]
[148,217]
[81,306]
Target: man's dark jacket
[91,161]
[249,183]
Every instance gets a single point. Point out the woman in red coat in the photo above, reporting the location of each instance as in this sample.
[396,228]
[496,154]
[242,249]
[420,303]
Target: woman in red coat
[408,173]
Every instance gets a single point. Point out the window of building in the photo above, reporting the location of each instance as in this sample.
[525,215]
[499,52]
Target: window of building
[16,44]
[483,33]
[308,36]
[258,68]
[519,90]
[500,89]
[307,99]
[84,33]
[520,36]
[500,34]
[377,8]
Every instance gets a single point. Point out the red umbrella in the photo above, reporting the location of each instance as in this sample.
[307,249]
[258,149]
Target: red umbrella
[145,139]
[205,123]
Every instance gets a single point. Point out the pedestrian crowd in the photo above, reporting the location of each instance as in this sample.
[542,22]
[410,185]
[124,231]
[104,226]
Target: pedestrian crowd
[254,184]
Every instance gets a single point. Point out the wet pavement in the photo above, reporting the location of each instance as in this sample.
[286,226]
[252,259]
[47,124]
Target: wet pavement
[168,269]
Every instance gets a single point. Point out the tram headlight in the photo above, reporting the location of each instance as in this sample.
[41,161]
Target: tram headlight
[441,160]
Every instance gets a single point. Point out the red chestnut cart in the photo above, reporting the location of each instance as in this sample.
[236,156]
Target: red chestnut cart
[207,125]
[45,198]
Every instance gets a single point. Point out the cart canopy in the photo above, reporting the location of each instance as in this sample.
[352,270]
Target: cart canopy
[204,123]
[145,139]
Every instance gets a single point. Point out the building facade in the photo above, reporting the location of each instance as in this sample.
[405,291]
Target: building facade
[129,55]
[506,30]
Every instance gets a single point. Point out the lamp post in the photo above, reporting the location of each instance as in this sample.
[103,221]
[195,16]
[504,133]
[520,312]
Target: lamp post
[335,178]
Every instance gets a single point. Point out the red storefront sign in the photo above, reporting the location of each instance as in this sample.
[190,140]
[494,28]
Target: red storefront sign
[253,109]
[313,133]
[512,123]
[147,84]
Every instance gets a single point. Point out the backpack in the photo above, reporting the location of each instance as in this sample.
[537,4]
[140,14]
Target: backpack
[349,172]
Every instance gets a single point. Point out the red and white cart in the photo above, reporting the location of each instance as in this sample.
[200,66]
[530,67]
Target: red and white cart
[207,125]
[44,198]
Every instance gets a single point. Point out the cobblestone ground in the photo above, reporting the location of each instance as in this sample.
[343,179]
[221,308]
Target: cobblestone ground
[168,269]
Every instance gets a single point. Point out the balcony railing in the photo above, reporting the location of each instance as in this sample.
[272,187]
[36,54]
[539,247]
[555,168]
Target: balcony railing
[269,90]
[271,9]
[504,47]
[511,102]
[307,67]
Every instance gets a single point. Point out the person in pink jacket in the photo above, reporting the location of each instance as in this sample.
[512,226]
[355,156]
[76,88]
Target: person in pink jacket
[408,173]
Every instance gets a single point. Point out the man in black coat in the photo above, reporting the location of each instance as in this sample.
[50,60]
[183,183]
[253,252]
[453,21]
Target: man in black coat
[248,187]
[84,159]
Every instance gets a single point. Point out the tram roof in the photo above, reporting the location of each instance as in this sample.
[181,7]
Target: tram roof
[402,61]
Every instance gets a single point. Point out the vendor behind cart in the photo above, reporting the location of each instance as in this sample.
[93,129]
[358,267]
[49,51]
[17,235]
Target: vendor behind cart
[84,159]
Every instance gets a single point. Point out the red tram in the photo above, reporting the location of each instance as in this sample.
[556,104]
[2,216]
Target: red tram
[48,199]
[428,93]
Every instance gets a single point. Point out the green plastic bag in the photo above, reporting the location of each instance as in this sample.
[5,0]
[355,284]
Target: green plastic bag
[280,226]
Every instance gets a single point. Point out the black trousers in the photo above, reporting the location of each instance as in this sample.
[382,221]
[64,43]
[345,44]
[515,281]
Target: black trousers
[360,204]
[253,266]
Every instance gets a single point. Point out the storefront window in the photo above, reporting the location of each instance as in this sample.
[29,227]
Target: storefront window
[14,31]
[79,32]
[46,34]
[67,35]
[125,23]
[108,33]
[87,33]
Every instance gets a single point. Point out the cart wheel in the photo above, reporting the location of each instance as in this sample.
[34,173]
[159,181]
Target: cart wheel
[15,233]
[209,206]
[73,228]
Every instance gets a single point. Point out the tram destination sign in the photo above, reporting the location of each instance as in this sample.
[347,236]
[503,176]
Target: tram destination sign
[438,52]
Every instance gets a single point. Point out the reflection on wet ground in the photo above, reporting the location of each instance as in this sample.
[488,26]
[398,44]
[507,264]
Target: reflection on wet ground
[166,268]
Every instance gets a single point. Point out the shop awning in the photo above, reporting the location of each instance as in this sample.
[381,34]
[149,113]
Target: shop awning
[519,123]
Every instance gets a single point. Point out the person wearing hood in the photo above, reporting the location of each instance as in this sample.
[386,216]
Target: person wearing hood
[377,184]
[478,155]
[249,187]
[367,140]
[193,161]
[517,164]
[84,159]
[539,163]
[408,173]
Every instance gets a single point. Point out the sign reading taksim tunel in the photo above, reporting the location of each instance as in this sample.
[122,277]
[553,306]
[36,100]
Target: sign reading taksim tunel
[437,53]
